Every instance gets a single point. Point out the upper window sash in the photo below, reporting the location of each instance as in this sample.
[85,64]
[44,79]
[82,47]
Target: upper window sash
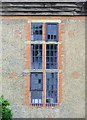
[36,31]
[52,31]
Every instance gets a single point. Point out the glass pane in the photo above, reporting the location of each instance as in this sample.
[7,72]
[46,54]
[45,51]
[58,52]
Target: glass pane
[40,32]
[36,87]
[36,81]
[40,26]
[51,87]
[47,47]
[36,56]
[52,31]
[47,58]
[51,36]
[54,36]
[48,36]
[51,56]
[36,97]
[51,47]
[36,31]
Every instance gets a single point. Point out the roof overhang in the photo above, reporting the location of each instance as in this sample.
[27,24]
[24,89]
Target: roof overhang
[43,8]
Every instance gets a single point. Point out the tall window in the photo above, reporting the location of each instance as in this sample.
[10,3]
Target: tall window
[39,58]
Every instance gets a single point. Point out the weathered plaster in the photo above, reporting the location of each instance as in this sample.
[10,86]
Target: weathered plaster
[13,43]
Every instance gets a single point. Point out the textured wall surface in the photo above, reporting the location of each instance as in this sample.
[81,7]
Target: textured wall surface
[13,37]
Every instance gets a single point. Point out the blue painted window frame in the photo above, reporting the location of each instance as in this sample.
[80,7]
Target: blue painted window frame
[52,34]
[36,56]
[51,56]
[51,87]
[36,31]
[36,93]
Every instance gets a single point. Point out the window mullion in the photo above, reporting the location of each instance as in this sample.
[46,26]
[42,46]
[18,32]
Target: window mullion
[44,64]
[44,74]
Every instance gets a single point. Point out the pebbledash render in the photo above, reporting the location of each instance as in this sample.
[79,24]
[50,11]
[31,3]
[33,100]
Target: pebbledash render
[43,58]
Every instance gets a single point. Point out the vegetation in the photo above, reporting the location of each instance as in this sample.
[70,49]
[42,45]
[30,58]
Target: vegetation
[5,110]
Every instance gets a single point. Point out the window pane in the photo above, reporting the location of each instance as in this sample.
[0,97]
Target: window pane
[47,47]
[36,97]
[52,31]
[51,57]
[51,36]
[36,87]
[54,36]
[36,81]
[40,26]
[36,56]
[36,31]
[40,32]
[51,47]
[51,87]
[48,36]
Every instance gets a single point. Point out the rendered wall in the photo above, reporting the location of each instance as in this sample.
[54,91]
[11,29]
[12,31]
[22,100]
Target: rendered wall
[13,35]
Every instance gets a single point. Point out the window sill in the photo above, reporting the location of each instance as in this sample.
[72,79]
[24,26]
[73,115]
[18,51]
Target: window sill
[46,105]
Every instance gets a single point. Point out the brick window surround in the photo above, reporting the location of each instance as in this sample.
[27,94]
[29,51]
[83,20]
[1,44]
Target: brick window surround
[57,70]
